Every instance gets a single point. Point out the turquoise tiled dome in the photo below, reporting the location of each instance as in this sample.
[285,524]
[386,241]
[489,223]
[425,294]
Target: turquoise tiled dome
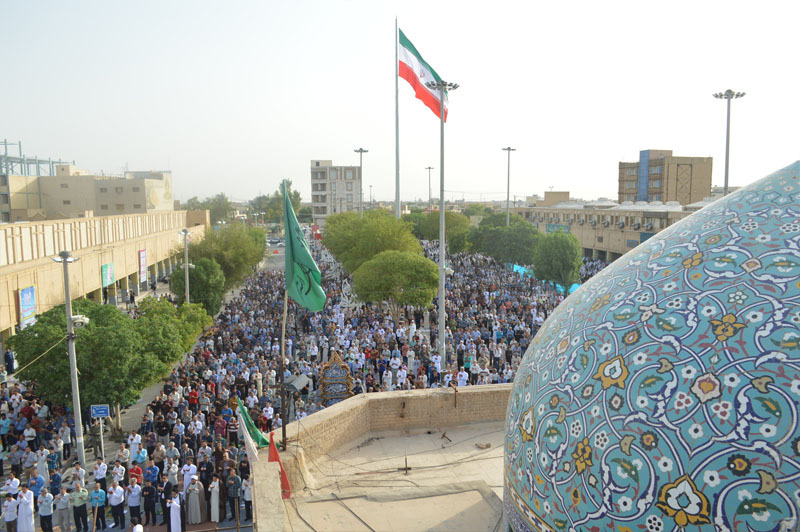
[664,393]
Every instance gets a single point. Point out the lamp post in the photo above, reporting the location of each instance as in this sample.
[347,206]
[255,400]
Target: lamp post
[370,197]
[430,197]
[508,186]
[65,258]
[360,152]
[185,233]
[443,87]
[727,95]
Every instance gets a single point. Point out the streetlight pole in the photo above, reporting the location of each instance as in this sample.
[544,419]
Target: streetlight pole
[727,95]
[65,258]
[508,186]
[370,197]
[430,197]
[360,152]
[185,233]
[443,87]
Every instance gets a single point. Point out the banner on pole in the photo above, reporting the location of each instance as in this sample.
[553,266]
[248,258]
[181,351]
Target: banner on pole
[27,306]
[142,265]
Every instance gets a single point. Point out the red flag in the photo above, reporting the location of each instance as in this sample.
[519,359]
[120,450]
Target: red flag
[274,456]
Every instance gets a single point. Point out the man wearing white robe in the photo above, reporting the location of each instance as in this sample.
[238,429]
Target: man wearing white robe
[175,522]
[189,470]
[25,521]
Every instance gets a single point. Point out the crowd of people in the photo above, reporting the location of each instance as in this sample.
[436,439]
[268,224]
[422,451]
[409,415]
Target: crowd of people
[186,463]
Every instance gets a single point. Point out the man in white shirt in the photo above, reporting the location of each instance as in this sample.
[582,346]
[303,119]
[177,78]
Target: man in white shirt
[118,472]
[189,470]
[100,471]
[462,377]
[437,362]
[134,500]
[134,441]
[116,499]
[12,487]
[387,379]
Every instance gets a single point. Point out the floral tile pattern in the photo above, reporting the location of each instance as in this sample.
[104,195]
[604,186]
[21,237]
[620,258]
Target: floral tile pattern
[663,394]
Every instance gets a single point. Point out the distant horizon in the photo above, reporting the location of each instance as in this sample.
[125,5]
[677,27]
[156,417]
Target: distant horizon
[236,99]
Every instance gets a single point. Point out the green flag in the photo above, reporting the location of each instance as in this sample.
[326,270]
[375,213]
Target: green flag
[303,280]
[258,438]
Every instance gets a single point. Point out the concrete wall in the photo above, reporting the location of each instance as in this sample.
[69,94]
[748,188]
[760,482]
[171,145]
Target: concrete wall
[354,418]
[26,250]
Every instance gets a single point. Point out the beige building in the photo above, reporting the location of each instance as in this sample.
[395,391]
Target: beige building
[118,253]
[660,176]
[73,193]
[605,229]
[333,189]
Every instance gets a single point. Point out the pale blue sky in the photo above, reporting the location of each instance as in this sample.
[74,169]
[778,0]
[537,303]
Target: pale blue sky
[235,96]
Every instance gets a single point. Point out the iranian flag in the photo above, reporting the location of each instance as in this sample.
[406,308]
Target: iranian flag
[413,68]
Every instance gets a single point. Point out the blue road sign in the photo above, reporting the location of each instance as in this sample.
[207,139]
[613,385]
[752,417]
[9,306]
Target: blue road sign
[100,411]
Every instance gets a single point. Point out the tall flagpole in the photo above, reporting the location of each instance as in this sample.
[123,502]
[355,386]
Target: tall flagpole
[396,128]
[443,87]
[282,387]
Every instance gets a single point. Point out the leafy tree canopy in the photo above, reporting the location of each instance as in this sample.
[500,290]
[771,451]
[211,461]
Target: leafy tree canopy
[354,241]
[456,228]
[558,259]
[272,204]
[476,210]
[498,219]
[219,207]
[113,360]
[206,285]
[236,247]
[513,244]
[397,278]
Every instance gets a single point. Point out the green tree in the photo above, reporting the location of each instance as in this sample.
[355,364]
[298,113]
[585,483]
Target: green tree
[272,204]
[193,320]
[220,208]
[498,219]
[558,259]
[170,331]
[206,284]
[456,228]
[513,244]
[236,247]
[305,215]
[475,209]
[354,241]
[113,362]
[397,278]
[415,218]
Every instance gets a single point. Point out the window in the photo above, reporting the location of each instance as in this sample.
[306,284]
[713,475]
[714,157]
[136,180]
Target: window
[350,198]
[136,189]
[630,171]
[103,207]
[656,169]
[655,197]
[316,163]
[118,190]
[631,184]
[333,173]
[3,198]
[64,185]
[333,187]
[348,174]
[120,206]
[349,187]
[656,183]
[599,239]
[3,180]
[103,189]
[66,202]
[137,205]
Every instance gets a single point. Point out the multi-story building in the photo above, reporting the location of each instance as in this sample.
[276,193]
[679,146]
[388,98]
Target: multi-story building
[333,189]
[660,176]
[73,193]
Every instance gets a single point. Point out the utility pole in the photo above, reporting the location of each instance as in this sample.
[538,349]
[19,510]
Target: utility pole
[66,258]
[185,233]
[360,152]
[371,204]
[508,186]
[430,197]
[727,95]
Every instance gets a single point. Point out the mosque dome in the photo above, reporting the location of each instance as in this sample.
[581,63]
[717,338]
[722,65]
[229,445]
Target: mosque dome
[663,394]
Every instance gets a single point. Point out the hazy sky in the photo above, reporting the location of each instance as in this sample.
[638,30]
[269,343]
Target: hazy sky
[235,96]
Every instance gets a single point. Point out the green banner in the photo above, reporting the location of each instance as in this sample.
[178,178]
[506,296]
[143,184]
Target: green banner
[107,274]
